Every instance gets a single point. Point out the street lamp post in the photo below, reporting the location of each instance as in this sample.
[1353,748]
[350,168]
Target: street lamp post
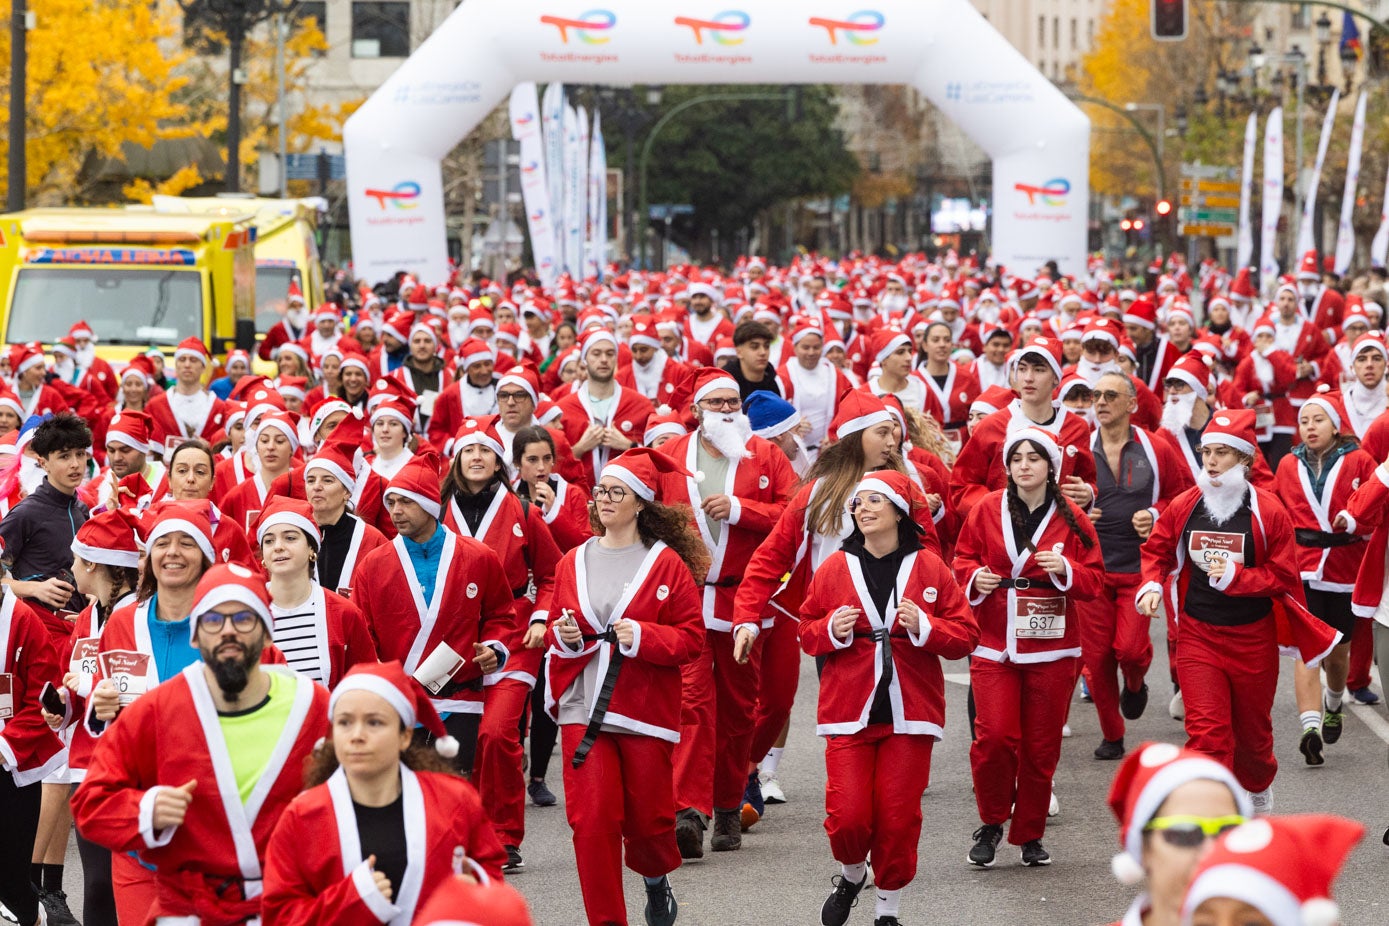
[19,25]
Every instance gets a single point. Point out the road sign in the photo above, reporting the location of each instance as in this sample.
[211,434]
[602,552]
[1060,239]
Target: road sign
[1207,231]
[1201,216]
[1190,185]
[1210,201]
[1209,172]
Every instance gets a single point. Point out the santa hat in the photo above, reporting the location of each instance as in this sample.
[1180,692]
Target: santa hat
[140,366]
[1370,340]
[355,360]
[192,347]
[479,316]
[672,424]
[906,496]
[325,409]
[804,330]
[1264,325]
[66,346]
[710,379]
[993,399]
[703,289]
[131,429]
[1192,370]
[480,430]
[857,411]
[417,480]
[486,904]
[391,388]
[596,336]
[644,332]
[1242,286]
[388,681]
[1072,381]
[1043,439]
[1102,329]
[291,512]
[114,538]
[1307,269]
[645,471]
[1146,778]
[236,355]
[472,351]
[1281,866]
[287,423]
[394,409]
[8,399]
[884,341]
[397,324]
[1329,402]
[417,327]
[1142,313]
[23,357]
[1233,427]
[1046,350]
[234,411]
[230,583]
[295,348]
[1182,311]
[326,312]
[293,386]
[81,329]
[523,379]
[770,415]
[295,294]
[182,517]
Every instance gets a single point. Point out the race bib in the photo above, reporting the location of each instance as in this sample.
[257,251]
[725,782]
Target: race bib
[1206,547]
[6,695]
[84,663]
[1263,416]
[1039,617]
[128,671]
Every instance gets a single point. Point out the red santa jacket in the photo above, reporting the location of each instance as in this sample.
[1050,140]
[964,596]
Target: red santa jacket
[1167,356]
[341,638]
[209,866]
[279,334]
[244,504]
[1313,347]
[1260,475]
[1038,620]
[231,472]
[1271,376]
[628,414]
[167,425]
[673,375]
[853,668]
[471,604]
[29,750]
[949,404]
[1327,310]
[663,601]
[979,469]
[44,400]
[1274,573]
[1369,509]
[333,884]
[1328,569]
[568,516]
[759,486]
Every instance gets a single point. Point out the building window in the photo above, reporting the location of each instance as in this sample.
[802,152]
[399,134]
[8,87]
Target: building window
[1301,16]
[380,30]
[1041,32]
[1056,32]
[1089,33]
[1075,34]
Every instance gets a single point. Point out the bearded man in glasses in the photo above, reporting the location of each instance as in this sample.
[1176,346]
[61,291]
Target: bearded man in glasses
[740,484]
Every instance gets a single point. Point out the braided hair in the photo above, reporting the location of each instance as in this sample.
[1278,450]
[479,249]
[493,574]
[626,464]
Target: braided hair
[1017,510]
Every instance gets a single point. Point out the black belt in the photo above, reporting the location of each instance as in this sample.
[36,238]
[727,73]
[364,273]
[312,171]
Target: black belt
[522,591]
[1023,583]
[605,696]
[1324,539]
[726,582]
[885,638]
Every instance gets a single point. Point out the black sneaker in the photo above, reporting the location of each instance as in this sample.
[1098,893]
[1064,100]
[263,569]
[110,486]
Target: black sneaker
[661,908]
[55,904]
[689,833]
[541,795]
[514,862]
[1331,723]
[1311,746]
[842,899]
[1110,750]
[1132,704]
[887,921]
[986,840]
[1033,855]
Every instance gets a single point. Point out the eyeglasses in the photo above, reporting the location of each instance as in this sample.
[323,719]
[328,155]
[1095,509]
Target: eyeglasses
[1109,395]
[614,494]
[870,502]
[241,621]
[1186,832]
[721,405]
[512,396]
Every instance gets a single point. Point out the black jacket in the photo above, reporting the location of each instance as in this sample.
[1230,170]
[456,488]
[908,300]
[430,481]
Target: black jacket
[38,535]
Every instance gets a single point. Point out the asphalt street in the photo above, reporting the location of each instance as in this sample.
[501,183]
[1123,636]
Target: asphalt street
[782,874]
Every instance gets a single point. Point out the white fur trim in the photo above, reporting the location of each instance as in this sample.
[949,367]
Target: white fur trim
[375,684]
[291,518]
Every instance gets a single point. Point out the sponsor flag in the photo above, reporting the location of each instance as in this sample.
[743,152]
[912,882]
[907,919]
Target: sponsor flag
[1305,237]
[1272,200]
[1345,232]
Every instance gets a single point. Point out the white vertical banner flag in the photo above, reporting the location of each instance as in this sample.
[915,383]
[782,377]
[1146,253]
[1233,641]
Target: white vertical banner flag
[1345,231]
[535,192]
[1245,250]
[1309,202]
[552,122]
[575,193]
[1379,247]
[596,248]
[1272,200]
[578,226]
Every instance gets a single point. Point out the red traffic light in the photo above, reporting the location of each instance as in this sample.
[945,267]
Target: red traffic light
[1169,20]
[1126,225]
[1164,207]
[1137,224]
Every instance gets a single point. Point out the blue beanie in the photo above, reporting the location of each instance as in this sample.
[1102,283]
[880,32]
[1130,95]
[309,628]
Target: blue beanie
[770,414]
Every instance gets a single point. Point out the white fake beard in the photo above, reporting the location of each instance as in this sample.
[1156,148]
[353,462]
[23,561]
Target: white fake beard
[1263,369]
[30,474]
[297,317]
[1176,412]
[1093,371]
[1224,494]
[1085,414]
[65,368]
[729,434]
[458,332]
[85,356]
[988,313]
[894,303]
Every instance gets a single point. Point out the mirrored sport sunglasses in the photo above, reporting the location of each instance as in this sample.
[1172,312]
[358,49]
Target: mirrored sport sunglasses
[1186,832]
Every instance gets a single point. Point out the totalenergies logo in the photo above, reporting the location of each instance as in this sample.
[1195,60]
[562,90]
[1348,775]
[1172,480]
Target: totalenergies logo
[719,27]
[858,27]
[530,167]
[401,196]
[538,215]
[1052,193]
[585,27]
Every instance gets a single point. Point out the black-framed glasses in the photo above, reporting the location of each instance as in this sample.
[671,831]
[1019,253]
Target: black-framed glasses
[613,494]
[721,405]
[512,396]
[871,502]
[1187,832]
[241,621]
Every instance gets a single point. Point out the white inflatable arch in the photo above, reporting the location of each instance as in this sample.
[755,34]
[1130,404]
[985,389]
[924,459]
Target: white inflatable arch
[1038,140]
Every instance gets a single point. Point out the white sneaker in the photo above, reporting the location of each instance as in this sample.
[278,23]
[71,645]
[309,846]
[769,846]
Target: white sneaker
[1262,801]
[1177,707]
[771,791]
[1066,731]
[1054,807]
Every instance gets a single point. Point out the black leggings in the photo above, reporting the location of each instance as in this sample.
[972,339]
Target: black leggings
[98,899]
[544,732]
[19,808]
[462,727]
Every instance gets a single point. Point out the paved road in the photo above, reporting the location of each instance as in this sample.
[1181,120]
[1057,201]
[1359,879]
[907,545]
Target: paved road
[781,875]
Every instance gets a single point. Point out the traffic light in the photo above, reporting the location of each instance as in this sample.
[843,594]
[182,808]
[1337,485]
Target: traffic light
[1164,207]
[1169,20]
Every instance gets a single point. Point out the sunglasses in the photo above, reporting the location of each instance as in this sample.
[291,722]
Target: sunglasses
[1186,832]
[241,621]
[1109,395]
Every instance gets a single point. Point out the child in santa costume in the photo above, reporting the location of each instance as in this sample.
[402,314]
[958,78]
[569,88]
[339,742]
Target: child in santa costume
[1170,802]
[199,798]
[881,613]
[1237,592]
[625,617]
[1027,557]
[388,816]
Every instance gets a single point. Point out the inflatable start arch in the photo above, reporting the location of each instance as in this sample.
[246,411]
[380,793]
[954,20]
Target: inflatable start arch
[1038,140]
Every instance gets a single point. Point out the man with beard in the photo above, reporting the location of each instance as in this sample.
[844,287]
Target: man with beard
[601,418]
[288,329]
[653,373]
[1186,412]
[197,771]
[1226,545]
[740,485]
[705,323]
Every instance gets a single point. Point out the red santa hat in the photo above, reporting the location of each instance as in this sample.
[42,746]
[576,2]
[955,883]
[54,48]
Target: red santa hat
[1233,427]
[66,346]
[645,472]
[1043,439]
[295,348]
[480,430]
[1281,866]
[1146,778]
[710,379]
[1370,340]
[230,583]
[1047,350]
[394,409]
[389,388]
[417,480]
[23,357]
[657,425]
[1264,325]
[522,379]
[397,324]
[114,537]
[1182,311]
[1329,402]
[321,412]
[293,386]
[471,351]
[1308,269]
[182,517]
[326,312]
[355,360]
[235,411]
[295,294]
[1103,329]
[644,332]
[806,329]
[1242,286]
[335,460]
[287,423]
[1192,370]
[993,399]
[417,327]
[595,336]
[906,496]
[479,316]
[140,366]
[8,399]
[192,347]
[131,429]
[291,512]
[884,341]
[236,355]
[1141,312]
[857,411]
[388,681]
[80,329]
[1072,380]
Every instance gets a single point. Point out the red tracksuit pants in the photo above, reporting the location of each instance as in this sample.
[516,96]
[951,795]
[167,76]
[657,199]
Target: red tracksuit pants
[1362,655]
[1020,709]
[497,766]
[620,796]
[874,780]
[1115,640]
[776,689]
[1229,676]
[134,888]
[717,712]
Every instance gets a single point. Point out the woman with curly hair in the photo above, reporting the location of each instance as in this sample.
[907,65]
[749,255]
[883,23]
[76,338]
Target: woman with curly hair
[624,618]
[388,819]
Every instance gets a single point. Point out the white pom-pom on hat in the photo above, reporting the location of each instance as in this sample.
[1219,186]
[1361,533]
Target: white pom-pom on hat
[699,476]
[1126,869]
[1320,911]
[446,746]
